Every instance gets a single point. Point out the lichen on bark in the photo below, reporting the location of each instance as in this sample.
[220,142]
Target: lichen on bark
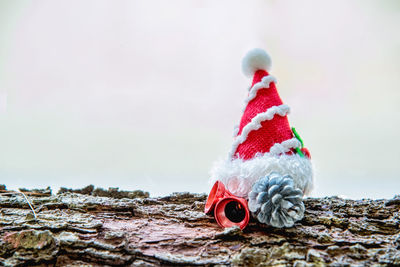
[111,227]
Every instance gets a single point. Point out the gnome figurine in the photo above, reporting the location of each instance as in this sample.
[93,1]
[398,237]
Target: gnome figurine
[267,164]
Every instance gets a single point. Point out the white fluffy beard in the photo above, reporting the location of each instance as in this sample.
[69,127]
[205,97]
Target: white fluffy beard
[239,175]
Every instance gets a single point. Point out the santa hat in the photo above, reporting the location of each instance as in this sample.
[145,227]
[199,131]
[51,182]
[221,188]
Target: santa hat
[264,142]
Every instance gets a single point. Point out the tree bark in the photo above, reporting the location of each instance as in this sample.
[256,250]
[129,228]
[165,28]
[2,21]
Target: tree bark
[111,227]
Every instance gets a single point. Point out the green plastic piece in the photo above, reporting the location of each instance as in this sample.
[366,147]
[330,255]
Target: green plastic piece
[298,150]
[298,137]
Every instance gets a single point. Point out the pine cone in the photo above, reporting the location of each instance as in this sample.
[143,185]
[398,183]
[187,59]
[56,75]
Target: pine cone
[275,201]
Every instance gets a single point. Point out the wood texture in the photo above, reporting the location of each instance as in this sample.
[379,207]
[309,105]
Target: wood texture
[95,227]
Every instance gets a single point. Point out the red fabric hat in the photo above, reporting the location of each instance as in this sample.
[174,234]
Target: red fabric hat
[264,141]
[267,111]
[264,126]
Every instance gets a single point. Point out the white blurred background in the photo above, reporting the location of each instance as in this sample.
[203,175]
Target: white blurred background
[145,94]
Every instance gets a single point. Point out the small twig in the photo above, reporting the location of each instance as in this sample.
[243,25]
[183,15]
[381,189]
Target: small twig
[29,203]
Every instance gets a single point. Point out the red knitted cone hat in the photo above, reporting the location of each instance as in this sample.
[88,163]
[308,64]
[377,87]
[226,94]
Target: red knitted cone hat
[264,141]
[266,112]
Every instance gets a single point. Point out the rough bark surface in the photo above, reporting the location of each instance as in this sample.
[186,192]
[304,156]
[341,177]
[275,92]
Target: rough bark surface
[94,227]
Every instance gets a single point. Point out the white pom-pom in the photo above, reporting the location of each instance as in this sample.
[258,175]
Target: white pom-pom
[254,60]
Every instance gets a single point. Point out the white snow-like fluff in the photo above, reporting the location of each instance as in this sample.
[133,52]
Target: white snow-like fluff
[239,175]
[255,59]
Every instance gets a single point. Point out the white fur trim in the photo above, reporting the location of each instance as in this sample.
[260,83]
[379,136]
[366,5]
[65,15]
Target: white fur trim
[256,59]
[264,83]
[255,124]
[285,146]
[239,175]
[235,130]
